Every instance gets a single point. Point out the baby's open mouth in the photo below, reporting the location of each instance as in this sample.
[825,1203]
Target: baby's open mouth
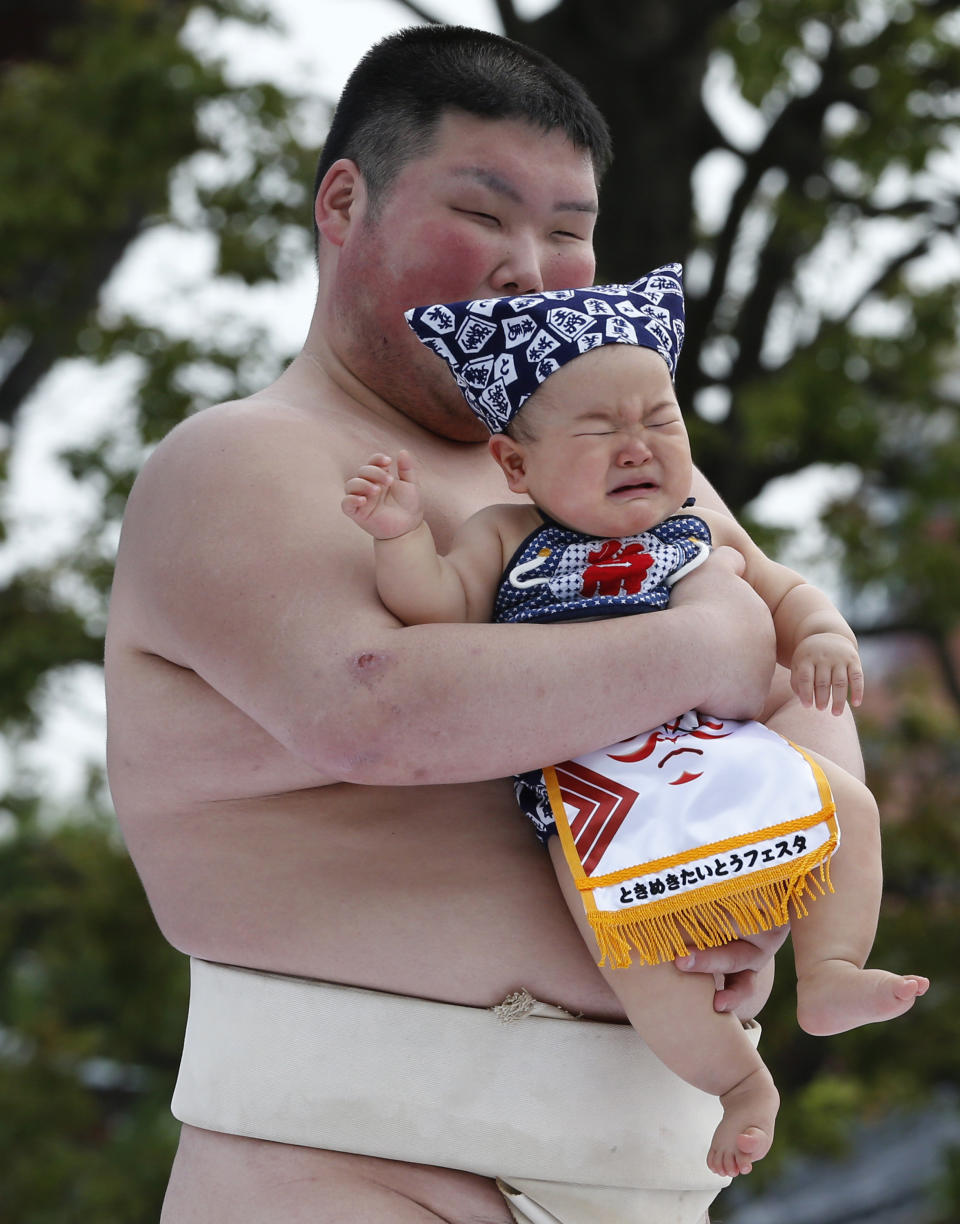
[634,487]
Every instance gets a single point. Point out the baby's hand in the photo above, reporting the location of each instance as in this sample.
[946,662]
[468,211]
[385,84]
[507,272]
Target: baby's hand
[384,496]
[823,668]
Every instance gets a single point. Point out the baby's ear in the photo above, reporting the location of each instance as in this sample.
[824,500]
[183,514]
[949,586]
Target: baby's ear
[510,455]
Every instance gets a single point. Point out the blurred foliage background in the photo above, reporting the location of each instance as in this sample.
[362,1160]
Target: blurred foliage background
[802,157]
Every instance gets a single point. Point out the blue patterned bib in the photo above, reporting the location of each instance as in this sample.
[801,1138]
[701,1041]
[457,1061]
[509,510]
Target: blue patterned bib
[559,574]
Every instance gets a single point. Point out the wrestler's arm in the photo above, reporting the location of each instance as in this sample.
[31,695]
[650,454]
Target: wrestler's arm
[256,581]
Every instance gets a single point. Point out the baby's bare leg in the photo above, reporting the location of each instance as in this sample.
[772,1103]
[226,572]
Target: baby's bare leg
[832,942]
[673,1013]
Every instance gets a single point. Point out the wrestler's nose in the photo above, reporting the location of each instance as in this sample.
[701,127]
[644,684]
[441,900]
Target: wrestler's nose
[519,270]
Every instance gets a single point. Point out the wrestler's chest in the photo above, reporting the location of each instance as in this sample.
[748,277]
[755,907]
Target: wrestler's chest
[447,506]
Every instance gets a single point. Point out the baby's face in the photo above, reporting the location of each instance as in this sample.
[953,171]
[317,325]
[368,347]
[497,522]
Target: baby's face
[610,455]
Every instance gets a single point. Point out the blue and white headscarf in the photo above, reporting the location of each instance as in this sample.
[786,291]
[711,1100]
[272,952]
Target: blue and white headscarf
[501,349]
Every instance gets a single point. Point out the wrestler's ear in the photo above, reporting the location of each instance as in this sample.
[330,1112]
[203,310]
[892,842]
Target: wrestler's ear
[512,458]
[341,191]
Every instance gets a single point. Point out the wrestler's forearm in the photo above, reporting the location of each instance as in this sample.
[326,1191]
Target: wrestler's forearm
[456,703]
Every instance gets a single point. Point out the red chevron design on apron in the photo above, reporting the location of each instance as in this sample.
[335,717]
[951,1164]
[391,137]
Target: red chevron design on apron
[602,806]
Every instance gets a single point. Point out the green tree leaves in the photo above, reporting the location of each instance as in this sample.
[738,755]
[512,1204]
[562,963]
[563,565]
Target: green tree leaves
[92,1003]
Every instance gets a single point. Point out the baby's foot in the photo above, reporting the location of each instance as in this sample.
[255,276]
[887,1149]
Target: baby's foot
[835,996]
[746,1129]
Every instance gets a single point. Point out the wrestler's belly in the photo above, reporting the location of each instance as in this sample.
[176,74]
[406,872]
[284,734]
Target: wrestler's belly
[440,892]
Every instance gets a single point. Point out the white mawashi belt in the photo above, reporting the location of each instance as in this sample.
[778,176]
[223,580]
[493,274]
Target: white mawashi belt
[544,1096]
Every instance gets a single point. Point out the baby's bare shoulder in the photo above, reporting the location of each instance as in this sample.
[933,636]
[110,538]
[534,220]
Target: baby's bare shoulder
[512,522]
[724,528]
[507,516]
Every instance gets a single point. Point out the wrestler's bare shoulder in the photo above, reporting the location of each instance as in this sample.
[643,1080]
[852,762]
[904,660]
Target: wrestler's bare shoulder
[310,438]
[264,424]
[222,1179]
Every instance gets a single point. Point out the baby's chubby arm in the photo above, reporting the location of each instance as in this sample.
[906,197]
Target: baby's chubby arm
[416,583]
[825,667]
[813,639]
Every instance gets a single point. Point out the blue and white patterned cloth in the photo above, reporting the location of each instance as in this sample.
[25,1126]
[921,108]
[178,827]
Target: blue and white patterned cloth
[561,574]
[501,349]
[619,581]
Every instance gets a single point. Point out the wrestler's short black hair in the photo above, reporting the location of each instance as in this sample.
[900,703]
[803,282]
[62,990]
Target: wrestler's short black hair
[396,96]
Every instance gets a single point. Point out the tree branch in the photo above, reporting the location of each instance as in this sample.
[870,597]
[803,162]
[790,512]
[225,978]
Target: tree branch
[412,7]
[798,116]
[884,277]
[513,25]
[72,293]
[948,664]
[939,645]
[23,376]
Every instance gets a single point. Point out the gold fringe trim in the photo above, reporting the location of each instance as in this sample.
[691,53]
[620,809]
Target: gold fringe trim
[695,853]
[707,922]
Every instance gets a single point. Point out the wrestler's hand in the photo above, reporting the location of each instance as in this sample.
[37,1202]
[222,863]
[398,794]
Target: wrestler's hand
[734,632]
[742,970]
[384,496]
